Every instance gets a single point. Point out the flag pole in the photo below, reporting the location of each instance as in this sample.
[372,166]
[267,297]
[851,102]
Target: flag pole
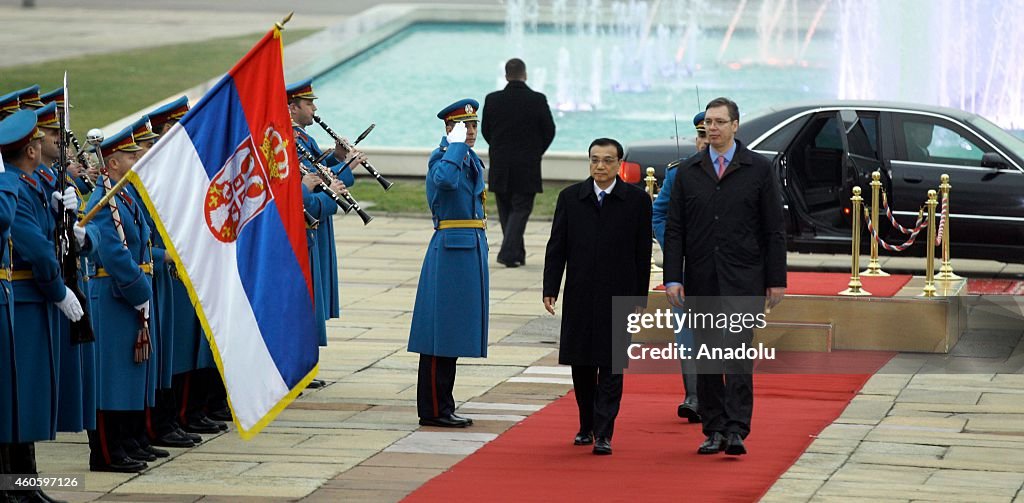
[105,199]
[280,25]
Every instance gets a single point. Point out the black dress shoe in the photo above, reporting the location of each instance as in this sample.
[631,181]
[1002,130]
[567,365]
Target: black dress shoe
[449,421]
[469,422]
[140,454]
[160,453]
[173,439]
[38,496]
[602,446]
[216,424]
[734,446]
[221,415]
[316,384]
[583,438]
[688,410]
[713,444]
[509,264]
[200,427]
[196,439]
[123,465]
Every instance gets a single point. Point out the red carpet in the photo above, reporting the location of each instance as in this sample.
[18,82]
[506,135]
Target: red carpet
[831,283]
[977,286]
[655,455]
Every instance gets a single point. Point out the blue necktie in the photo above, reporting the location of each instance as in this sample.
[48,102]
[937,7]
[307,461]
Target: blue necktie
[600,198]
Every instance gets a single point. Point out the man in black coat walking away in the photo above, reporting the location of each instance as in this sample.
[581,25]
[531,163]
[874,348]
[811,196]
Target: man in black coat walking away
[725,236]
[601,239]
[518,127]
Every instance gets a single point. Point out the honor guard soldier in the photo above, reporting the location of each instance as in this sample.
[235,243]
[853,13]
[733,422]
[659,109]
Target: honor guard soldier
[76,171]
[121,293]
[77,390]
[8,379]
[40,296]
[9,103]
[302,109]
[450,315]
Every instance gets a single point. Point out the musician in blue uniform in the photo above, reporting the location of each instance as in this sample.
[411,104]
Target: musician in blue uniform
[40,296]
[450,315]
[120,295]
[302,109]
[77,408]
[688,408]
[192,366]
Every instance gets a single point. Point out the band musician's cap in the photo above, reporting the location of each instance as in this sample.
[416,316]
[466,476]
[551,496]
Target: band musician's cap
[142,130]
[301,90]
[9,103]
[17,131]
[30,97]
[55,96]
[460,111]
[47,116]
[122,141]
[698,121]
[172,111]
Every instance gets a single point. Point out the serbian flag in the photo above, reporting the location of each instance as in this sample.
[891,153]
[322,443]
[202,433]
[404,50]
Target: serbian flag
[223,186]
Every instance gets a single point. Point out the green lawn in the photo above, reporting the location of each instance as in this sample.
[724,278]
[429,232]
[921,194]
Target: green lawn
[106,87]
[408,196]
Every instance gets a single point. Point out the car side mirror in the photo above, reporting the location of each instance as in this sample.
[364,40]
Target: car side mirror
[994,160]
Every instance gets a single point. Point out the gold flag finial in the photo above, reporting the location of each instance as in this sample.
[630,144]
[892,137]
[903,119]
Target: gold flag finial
[280,25]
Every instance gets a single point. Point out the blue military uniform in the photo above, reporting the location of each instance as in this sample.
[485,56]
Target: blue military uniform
[450,315]
[77,375]
[123,280]
[327,280]
[8,375]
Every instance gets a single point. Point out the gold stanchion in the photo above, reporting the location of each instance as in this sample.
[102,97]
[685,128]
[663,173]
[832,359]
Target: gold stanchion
[855,286]
[652,184]
[929,277]
[946,269]
[874,268]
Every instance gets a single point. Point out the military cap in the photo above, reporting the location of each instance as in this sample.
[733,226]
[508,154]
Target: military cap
[47,117]
[698,121]
[55,96]
[17,131]
[122,141]
[142,130]
[30,97]
[302,90]
[460,111]
[9,103]
[172,111]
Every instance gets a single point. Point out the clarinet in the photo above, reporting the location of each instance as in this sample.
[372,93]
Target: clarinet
[80,154]
[349,146]
[326,177]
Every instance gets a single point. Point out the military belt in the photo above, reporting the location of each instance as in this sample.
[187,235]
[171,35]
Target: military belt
[18,275]
[102,273]
[461,224]
[5,274]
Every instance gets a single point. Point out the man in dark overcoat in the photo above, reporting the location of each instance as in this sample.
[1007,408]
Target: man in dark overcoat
[601,240]
[725,237]
[518,127]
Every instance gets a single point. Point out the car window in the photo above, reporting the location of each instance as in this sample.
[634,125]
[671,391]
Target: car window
[870,125]
[828,136]
[779,140]
[927,140]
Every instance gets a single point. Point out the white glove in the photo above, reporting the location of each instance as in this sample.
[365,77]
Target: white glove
[458,134]
[70,305]
[79,235]
[69,198]
[144,309]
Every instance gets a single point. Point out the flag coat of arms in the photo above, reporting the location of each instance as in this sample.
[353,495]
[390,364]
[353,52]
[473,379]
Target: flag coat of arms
[223,186]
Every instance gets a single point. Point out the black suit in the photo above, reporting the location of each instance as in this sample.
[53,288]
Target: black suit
[518,127]
[726,237]
[604,251]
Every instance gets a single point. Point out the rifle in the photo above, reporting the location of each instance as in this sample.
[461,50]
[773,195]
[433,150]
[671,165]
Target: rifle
[68,251]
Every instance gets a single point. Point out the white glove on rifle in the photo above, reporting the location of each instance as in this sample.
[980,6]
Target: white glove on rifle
[70,305]
[458,134]
[144,309]
[79,235]
[69,198]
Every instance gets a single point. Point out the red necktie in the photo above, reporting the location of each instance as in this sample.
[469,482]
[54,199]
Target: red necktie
[721,166]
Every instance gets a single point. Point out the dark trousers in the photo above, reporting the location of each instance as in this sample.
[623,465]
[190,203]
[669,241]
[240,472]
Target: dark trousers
[434,387]
[513,213]
[160,419]
[725,388]
[106,442]
[18,459]
[191,393]
[598,394]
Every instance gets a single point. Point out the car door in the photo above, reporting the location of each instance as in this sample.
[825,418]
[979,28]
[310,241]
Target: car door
[985,202]
[860,155]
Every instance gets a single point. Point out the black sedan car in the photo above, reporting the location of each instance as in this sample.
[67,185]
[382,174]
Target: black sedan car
[822,150]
